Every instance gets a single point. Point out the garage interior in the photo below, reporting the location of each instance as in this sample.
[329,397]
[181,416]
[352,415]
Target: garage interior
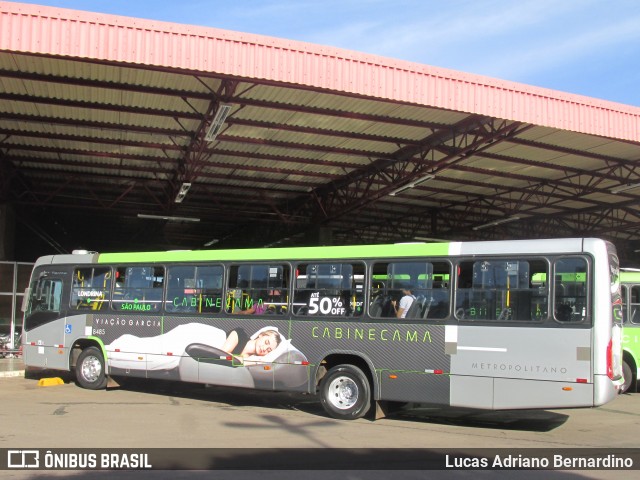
[278,143]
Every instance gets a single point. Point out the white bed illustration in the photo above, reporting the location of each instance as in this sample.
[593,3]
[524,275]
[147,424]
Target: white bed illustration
[192,353]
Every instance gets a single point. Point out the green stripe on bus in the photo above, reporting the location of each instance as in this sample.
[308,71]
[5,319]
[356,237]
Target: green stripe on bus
[629,277]
[101,345]
[268,254]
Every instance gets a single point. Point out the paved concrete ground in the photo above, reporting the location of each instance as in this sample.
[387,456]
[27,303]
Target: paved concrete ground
[11,367]
[169,415]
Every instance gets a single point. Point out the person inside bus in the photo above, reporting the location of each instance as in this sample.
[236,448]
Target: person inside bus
[260,306]
[256,308]
[406,301]
[274,302]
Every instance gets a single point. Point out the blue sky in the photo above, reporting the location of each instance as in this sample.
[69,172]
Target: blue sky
[587,47]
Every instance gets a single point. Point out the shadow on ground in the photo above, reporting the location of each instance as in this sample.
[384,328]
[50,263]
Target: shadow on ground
[525,420]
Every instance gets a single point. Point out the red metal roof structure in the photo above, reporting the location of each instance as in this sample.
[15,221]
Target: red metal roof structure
[106,121]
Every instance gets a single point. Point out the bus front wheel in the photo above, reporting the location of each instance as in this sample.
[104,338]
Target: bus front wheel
[90,369]
[627,374]
[345,392]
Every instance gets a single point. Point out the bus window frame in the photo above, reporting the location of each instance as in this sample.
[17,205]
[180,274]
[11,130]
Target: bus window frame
[295,315]
[106,300]
[548,260]
[587,320]
[628,304]
[449,288]
[34,319]
[229,267]
[114,283]
[196,267]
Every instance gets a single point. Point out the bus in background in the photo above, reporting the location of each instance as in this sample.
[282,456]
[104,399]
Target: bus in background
[630,287]
[490,325]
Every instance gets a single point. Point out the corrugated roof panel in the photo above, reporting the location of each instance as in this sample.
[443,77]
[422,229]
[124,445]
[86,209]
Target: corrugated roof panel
[618,150]
[281,166]
[65,32]
[331,123]
[352,105]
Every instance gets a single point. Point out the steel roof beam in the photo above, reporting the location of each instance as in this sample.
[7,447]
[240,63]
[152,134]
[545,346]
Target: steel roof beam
[82,138]
[103,84]
[355,190]
[570,151]
[73,122]
[31,99]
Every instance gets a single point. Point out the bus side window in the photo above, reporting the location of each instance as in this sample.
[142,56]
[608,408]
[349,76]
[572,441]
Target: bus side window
[209,288]
[379,295]
[258,289]
[634,305]
[138,289]
[570,290]
[179,297]
[91,287]
[437,293]
[425,280]
[330,290]
[502,290]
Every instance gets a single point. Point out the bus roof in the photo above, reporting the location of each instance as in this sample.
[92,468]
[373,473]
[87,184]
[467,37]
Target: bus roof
[397,250]
[287,253]
[322,253]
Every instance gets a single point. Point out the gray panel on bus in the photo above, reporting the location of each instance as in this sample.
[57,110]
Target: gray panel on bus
[515,393]
[524,352]
[473,392]
[567,245]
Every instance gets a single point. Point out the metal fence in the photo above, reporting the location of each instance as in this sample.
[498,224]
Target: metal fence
[14,279]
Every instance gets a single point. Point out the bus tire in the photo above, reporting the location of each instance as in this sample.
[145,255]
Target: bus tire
[345,392]
[90,369]
[627,374]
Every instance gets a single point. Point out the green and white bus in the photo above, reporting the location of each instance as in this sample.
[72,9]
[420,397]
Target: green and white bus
[484,328]
[630,283]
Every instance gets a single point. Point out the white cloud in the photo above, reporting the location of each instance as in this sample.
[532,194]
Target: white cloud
[557,51]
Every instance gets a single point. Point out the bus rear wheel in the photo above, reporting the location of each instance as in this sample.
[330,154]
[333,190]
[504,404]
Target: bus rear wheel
[90,369]
[345,392]
[627,374]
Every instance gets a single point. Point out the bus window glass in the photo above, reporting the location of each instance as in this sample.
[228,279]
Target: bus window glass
[502,290]
[45,300]
[46,296]
[329,289]
[138,289]
[634,305]
[194,289]
[258,289]
[570,290]
[90,288]
[428,282]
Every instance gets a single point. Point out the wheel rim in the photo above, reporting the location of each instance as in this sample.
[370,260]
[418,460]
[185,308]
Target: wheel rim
[91,368]
[343,393]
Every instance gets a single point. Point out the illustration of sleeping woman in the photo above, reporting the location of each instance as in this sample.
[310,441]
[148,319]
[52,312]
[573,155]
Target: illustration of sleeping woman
[196,340]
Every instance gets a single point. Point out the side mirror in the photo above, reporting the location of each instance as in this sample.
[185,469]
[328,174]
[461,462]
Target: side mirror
[25,299]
